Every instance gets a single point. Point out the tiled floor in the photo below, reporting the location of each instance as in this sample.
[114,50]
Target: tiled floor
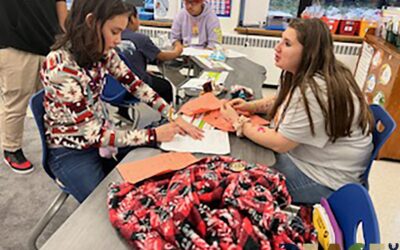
[384,185]
[384,191]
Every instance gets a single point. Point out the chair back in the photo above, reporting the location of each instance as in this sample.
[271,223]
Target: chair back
[352,205]
[114,93]
[36,105]
[383,121]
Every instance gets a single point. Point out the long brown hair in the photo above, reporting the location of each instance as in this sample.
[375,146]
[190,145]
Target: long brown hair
[84,41]
[318,59]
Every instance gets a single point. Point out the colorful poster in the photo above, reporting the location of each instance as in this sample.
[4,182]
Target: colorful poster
[379,98]
[221,7]
[377,60]
[371,82]
[386,74]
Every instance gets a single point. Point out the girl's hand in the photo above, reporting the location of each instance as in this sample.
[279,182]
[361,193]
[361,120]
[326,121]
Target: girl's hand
[166,132]
[241,105]
[189,129]
[229,113]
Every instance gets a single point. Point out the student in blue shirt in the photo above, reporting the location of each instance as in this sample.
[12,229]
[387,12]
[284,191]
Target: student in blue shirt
[140,50]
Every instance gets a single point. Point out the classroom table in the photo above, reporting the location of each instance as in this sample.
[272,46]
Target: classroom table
[246,73]
[89,227]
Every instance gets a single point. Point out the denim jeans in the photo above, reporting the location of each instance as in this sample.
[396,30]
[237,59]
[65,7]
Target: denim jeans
[80,171]
[302,189]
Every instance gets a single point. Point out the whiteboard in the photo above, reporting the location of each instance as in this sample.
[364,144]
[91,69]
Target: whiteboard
[254,12]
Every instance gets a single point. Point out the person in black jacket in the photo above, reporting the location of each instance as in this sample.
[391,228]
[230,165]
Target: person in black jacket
[27,29]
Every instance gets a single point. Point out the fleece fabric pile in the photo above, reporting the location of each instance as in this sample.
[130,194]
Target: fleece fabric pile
[216,203]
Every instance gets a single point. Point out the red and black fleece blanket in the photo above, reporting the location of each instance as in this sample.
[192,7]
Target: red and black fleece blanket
[216,203]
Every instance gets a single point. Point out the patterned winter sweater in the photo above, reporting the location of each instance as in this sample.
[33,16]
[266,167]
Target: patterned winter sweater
[75,115]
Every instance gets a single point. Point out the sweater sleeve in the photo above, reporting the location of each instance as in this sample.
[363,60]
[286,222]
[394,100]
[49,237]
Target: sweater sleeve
[214,32]
[71,117]
[176,29]
[134,85]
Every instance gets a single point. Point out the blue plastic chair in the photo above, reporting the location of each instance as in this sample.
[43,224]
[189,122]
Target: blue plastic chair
[36,105]
[114,93]
[378,137]
[351,205]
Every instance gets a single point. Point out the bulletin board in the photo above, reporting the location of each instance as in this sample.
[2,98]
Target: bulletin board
[222,8]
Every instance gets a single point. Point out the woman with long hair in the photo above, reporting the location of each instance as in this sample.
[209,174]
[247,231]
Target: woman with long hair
[321,121]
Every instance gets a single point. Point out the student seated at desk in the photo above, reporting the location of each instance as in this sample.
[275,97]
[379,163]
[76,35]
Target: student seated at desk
[322,132]
[80,137]
[139,50]
[196,25]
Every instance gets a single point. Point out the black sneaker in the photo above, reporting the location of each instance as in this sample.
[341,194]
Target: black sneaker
[17,162]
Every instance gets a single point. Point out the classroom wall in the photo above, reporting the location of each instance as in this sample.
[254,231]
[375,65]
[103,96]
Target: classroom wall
[228,24]
[254,12]
[260,49]
[265,57]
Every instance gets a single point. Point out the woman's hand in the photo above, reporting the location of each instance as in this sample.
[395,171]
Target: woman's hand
[189,129]
[229,113]
[241,105]
[167,132]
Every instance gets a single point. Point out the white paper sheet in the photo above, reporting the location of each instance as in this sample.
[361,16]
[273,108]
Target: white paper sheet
[194,83]
[196,52]
[217,65]
[364,63]
[213,142]
[234,54]
[229,53]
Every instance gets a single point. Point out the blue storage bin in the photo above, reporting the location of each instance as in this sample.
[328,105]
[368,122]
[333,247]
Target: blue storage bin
[144,15]
[149,4]
[277,23]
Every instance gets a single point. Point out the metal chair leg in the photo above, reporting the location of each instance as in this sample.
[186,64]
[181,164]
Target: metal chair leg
[46,218]
[137,118]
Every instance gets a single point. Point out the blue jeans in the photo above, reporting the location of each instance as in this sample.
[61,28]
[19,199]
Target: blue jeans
[302,189]
[80,171]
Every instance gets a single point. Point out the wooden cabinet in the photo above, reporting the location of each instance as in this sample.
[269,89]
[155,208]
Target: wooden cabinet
[382,84]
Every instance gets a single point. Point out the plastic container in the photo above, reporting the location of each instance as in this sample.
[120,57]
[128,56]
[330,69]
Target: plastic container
[332,23]
[218,54]
[390,38]
[277,22]
[349,27]
[144,15]
[365,25]
[149,4]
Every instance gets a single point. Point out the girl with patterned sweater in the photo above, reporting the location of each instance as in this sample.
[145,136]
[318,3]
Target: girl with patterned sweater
[76,120]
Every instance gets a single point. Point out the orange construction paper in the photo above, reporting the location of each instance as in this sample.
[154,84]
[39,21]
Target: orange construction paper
[136,171]
[201,104]
[215,119]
